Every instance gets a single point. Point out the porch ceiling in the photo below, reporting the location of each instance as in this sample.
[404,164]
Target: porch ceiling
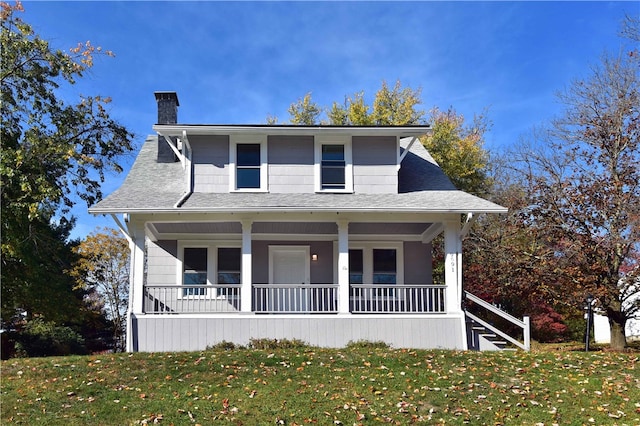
[292,228]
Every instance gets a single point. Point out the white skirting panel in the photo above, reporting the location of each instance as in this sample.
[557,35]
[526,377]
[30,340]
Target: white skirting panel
[170,333]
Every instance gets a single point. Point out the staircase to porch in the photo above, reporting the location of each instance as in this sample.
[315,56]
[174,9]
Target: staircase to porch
[491,329]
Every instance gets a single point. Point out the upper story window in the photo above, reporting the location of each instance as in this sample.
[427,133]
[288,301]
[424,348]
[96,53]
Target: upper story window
[333,165]
[248,163]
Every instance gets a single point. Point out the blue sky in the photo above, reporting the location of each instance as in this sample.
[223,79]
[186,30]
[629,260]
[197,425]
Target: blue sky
[239,62]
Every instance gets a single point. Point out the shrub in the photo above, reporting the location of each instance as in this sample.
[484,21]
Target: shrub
[277,344]
[548,325]
[41,338]
[225,346]
[366,344]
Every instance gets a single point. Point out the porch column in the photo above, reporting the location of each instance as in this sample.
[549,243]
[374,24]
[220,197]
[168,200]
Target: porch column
[246,293]
[136,279]
[343,267]
[453,265]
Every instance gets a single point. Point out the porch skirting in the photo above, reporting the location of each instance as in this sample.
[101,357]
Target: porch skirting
[170,333]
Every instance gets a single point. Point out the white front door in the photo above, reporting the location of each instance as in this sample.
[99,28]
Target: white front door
[289,273]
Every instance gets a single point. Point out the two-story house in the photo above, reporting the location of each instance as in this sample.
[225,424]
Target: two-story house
[318,233]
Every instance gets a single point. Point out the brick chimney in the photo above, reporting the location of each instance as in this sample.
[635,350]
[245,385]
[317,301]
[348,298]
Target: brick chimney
[167,114]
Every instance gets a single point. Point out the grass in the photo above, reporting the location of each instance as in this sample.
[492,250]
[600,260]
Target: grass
[359,385]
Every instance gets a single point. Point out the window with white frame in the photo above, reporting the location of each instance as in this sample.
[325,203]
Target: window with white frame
[376,263]
[248,163]
[197,261]
[333,165]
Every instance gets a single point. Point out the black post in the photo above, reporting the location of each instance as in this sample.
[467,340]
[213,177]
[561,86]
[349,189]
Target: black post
[589,316]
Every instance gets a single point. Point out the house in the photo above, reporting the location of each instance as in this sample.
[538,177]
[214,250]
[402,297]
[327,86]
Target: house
[318,233]
[630,296]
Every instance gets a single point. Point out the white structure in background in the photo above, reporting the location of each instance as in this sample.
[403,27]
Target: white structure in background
[601,331]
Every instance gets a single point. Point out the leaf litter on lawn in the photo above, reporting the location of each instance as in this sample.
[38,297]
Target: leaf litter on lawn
[297,386]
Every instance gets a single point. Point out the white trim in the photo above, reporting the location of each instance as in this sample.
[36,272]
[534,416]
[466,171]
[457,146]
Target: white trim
[406,150]
[348,160]
[367,248]
[212,259]
[236,316]
[195,129]
[175,150]
[234,141]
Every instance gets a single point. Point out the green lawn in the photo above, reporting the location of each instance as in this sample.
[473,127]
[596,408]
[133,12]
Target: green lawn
[357,385]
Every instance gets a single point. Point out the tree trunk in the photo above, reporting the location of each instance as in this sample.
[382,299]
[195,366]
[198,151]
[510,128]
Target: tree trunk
[618,338]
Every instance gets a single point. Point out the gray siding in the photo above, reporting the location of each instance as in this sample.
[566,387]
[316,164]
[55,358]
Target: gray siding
[417,263]
[161,262]
[153,333]
[374,165]
[291,164]
[210,163]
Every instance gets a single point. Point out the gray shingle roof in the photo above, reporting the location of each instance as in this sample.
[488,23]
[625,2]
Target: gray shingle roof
[423,187]
[148,185]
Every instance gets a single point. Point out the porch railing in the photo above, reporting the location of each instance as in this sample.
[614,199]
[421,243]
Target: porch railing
[397,298]
[295,298]
[164,299]
[524,324]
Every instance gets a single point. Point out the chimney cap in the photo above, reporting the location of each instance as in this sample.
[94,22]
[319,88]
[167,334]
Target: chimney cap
[167,95]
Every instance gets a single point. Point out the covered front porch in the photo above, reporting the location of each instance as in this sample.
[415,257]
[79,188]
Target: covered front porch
[355,277]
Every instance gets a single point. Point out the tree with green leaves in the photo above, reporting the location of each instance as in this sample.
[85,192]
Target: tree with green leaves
[52,152]
[397,106]
[102,269]
[459,149]
[304,111]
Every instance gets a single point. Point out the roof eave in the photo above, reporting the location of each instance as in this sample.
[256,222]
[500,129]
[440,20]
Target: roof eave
[206,129]
[97,211]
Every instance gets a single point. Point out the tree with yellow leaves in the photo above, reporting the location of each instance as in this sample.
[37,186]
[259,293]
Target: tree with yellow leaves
[102,269]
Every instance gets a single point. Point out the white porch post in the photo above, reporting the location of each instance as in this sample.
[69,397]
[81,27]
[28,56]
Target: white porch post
[343,267]
[246,293]
[136,279]
[453,265]
[453,274]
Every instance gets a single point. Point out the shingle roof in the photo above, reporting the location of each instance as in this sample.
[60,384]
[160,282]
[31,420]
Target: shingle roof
[148,185]
[423,187]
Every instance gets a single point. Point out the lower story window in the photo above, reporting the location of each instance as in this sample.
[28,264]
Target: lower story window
[384,266]
[356,270]
[194,271]
[229,260]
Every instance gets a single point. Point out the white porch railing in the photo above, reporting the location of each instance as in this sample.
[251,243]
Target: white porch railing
[164,299]
[295,298]
[397,298]
[523,324]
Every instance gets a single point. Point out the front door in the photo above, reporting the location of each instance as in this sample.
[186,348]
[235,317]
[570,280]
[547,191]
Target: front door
[289,274]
